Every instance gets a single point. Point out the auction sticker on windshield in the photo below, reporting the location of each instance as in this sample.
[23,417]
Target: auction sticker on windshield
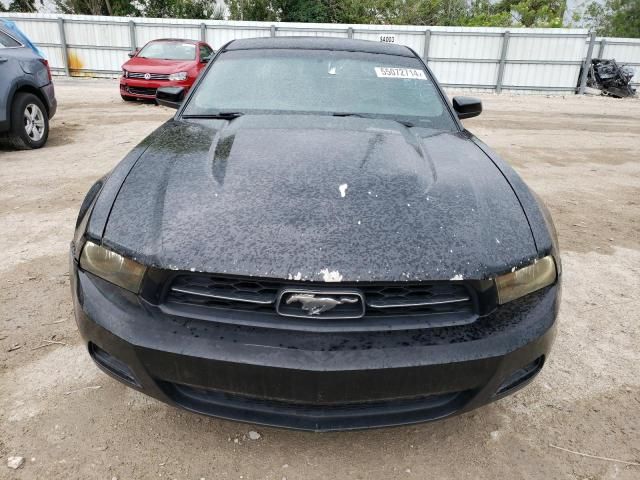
[390,72]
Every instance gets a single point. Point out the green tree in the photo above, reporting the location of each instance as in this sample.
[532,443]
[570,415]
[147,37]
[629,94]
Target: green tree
[28,6]
[528,13]
[254,10]
[303,11]
[614,18]
[357,11]
[313,11]
[534,13]
[436,12]
[485,13]
[98,7]
[198,9]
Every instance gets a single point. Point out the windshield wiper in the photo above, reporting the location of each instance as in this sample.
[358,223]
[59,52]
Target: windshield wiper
[218,115]
[349,114]
[360,115]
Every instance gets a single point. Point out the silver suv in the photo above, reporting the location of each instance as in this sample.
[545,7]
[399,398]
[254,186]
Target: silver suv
[27,99]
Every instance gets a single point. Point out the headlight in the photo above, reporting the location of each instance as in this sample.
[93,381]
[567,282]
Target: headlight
[178,76]
[125,74]
[526,280]
[112,267]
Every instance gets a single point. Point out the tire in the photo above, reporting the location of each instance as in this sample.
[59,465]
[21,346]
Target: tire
[29,122]
[128,99]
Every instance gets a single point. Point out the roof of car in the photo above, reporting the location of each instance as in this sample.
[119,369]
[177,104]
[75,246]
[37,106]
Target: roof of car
[320,43]
[184,40]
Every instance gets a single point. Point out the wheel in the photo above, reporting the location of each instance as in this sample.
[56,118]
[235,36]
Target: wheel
[29,122]
[128,99]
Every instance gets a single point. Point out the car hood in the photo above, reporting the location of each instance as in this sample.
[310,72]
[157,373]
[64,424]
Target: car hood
[318,198]
[152,65]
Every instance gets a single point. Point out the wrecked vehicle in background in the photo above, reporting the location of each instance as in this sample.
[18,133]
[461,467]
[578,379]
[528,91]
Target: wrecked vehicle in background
[610,78]
[315,241]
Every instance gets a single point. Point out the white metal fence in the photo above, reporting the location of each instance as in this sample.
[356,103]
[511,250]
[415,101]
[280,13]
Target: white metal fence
[515,59]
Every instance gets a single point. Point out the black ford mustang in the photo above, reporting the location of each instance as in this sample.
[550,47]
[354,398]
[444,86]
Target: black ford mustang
[315,241]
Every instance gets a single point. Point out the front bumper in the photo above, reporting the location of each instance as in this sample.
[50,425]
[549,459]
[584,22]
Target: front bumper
[146,89]
[313,381]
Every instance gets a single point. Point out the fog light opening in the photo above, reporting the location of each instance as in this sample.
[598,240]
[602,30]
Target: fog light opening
[111,364]
[521,376]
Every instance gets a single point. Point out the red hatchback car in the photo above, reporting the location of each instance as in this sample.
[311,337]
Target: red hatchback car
[163,63]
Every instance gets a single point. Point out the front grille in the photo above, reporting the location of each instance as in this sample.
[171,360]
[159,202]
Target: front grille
[417,298]
[142,91]
[316,416]
[152,76]
[380,298]
[225,292]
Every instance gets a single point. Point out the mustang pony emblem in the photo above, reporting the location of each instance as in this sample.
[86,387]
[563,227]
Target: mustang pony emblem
[316,305]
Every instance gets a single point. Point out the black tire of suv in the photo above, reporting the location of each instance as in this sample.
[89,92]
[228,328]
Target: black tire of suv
[18,137]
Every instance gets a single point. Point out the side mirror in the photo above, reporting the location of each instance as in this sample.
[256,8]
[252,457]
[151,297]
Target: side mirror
[208,59]
[170,97]
[134,53]
[467,107]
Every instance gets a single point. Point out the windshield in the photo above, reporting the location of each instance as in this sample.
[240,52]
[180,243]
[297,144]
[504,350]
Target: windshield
[169,51]
[321,82]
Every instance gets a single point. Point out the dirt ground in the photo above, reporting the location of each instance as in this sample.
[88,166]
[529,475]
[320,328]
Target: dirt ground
[582,155]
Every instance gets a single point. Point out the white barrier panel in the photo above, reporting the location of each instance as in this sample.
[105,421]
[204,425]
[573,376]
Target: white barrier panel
[514,59]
